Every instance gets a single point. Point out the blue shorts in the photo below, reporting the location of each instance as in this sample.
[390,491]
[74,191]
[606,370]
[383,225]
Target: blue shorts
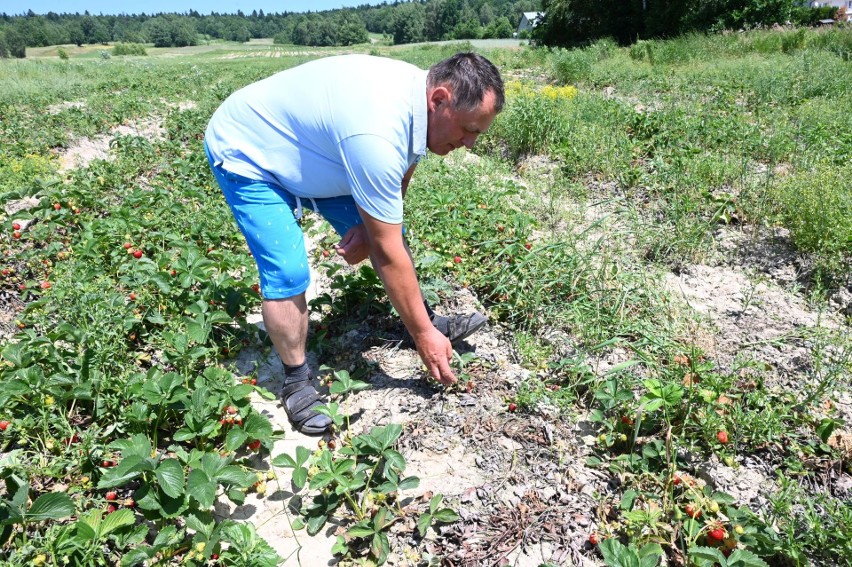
[264,213]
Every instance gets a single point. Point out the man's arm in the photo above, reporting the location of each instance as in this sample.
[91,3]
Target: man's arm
[395,268]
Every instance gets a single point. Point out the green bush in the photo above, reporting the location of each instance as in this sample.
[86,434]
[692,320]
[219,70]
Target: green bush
[129,49]
[817,208]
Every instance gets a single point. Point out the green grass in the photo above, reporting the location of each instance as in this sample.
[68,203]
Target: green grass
[578,204]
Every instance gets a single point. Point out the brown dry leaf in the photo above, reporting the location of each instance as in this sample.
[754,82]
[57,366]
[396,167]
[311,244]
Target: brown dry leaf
[690,379]
[724,400]
[841,440]
[681,359]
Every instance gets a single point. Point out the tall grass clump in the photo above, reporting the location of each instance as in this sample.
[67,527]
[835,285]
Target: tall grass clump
[533,121]
[572,66]
[816,206]
[129,49]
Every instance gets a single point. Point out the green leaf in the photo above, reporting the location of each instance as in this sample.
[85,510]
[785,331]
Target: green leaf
[170,476]
[300,477]
[184,434]
[708,554]
[235,439]
[201,488]
[409,483]
[201,522]
[826,428]
[232,475]
[128,469]
[615,554]
[650,555]
[435,502]
[166,536]
[138,445]
[628,498]
[380,547]
[446,516]
[387,435]
[240,391]
[340,547]
[745,558]
[51,506]
[258,426]
[361,529]
[136,556]
[423,524]
[284,461]
[315,524]
[116,521]
[236,496]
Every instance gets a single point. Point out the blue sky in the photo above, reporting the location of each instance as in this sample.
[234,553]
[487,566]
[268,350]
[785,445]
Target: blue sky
[153,6]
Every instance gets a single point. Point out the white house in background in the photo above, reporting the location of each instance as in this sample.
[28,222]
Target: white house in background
[837,4]
[528,21]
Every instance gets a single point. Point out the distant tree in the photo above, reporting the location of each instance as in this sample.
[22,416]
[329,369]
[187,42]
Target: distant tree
[409,23]
[159,31]
[486,14]
[498,29]
[13,43]
[350,29]
[183,32]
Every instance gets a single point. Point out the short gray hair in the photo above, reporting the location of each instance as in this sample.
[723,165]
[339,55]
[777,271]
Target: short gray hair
[470,76]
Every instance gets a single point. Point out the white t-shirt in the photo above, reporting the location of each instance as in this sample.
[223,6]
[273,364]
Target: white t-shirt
[344,125]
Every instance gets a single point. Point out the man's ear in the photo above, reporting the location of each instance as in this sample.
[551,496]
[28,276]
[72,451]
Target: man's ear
[438,97]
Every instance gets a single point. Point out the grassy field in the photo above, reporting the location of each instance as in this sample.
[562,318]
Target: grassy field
[611,172]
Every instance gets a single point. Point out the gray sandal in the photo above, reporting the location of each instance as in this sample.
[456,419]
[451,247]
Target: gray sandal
[300,397]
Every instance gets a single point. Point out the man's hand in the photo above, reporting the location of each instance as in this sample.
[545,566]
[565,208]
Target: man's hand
[354,246]
[436,352]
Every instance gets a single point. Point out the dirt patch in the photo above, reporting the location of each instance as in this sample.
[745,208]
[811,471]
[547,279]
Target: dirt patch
[83,151]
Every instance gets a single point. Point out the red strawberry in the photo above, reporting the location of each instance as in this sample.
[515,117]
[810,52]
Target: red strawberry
[717,533]
[692,511]
[127,246]
[722,436]
[528,245]
[129,503]
[111,508]
[513,406]
[137,253]
[45,285]
[111,495]
[16,226]
[3,425]
[16,234]
[57,206]
[593,539]
[457,259]
[132,296]
[254,445]
[256,288]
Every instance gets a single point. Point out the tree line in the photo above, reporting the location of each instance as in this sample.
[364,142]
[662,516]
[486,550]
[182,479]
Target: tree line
[405,22]
[569,23]
[565,23]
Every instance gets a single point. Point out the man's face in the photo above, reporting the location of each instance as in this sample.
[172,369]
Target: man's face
[448,128]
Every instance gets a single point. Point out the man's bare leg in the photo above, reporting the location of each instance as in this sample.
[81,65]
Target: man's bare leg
[286,322]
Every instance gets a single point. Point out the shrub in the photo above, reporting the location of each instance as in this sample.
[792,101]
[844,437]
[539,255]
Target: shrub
[129,49]
[534,120]
[62,54]
[817,208]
